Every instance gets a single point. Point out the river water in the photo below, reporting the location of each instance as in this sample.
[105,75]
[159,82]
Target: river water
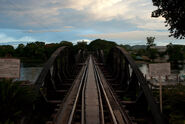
[31,73]
[174,73]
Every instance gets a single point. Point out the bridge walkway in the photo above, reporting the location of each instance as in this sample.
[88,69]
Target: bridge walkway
[90,101]
[91,97]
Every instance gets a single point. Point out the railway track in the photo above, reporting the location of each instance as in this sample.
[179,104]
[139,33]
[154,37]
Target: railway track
[90,100]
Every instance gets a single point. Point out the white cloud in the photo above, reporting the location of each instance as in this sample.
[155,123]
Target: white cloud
[81,40]
[41,31]
[136,37]
[55,12]
[68,27]
[153,26]
[132,35]
[133,11]
[5,39]
[47,15]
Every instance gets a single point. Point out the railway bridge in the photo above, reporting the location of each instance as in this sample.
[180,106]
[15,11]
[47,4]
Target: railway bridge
[86,88]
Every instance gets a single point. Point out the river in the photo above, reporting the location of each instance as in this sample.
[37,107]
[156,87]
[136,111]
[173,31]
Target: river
[180,73]
[31,73]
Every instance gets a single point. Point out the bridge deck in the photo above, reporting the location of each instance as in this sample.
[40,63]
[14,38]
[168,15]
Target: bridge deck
[90,100]
[91,97]
[96,93]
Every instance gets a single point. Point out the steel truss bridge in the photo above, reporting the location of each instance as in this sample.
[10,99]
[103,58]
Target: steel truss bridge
[86,88]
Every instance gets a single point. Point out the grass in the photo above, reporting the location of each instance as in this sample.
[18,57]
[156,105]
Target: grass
[174,104]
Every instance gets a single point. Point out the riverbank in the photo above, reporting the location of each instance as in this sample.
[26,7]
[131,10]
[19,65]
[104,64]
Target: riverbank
[173,103]
[25,62]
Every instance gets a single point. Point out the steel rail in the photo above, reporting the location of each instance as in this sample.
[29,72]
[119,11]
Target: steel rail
[100,97]
[81,91]
[78,94]
[143,83]
[125,117]
[106,97]
[83,101]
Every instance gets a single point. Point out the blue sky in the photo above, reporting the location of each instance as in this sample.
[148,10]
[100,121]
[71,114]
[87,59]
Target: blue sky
[123,21]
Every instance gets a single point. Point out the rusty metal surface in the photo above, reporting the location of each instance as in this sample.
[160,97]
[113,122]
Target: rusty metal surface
[56,79]
[120,115]
[47,66]
[55,85]
[62,116]
[100,106]
[123,75]
[142,81]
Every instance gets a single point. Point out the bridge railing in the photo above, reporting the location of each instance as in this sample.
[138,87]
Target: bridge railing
[125,71]
[99,54]
[81,56]
[60,66]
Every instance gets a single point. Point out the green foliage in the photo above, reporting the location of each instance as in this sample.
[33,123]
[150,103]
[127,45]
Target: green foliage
[7,122]
[174,12]
[173,104]
[134,56]
[126,98]
[20,50]
[82,45]
[66,43]
[50,48]
[127,47]
[152,54]
[99,44]
[35,50]
[15,101]
[33,53]
[6,51]
[150,42]
[141,52]
[176,53]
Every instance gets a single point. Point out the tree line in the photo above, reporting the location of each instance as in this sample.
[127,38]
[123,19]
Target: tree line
[34,50]
[40,52]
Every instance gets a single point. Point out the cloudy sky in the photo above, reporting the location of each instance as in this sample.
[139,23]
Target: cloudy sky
[123,21]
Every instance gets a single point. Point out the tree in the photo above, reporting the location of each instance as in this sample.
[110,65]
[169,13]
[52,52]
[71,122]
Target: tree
[176,53]
[20,50]
[66,43]
[35,50]
[141,52]
[151,52]
[150,42]
[82,45]
[174,13]
[127,47]
[6,51]
[16,101]
[100,44]
[50,48]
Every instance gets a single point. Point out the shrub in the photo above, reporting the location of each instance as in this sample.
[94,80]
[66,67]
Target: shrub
[16,101]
